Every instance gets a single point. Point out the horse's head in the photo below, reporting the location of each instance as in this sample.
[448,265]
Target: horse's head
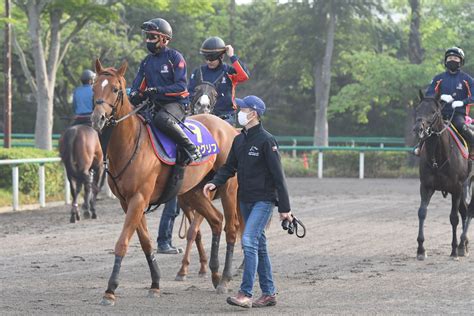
[109,91]
[428,116]
[204,99]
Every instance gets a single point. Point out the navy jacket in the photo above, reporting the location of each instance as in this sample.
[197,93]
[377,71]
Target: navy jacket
[225,78]
[254,156]
[82,100]
[165,71]
[459,85]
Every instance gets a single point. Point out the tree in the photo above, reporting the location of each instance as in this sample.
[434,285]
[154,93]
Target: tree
[48,47]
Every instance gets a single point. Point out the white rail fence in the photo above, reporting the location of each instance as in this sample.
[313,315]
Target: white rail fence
[16,163]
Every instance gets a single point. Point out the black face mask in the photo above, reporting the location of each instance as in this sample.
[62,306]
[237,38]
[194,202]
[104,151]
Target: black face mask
[453,65]
[152,47]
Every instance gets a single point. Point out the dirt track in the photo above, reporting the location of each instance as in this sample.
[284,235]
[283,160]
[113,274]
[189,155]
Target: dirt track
[357,258]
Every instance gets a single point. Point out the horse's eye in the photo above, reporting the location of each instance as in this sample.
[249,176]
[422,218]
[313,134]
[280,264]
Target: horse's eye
[115,90]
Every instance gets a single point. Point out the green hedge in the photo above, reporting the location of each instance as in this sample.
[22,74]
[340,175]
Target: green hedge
[346,164]
[28,173]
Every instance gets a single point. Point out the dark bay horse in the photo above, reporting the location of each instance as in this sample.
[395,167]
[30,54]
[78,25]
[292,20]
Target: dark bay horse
[442,168]
[81,154]
[138,177]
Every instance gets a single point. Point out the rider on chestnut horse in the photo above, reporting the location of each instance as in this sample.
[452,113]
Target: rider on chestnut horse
[82,99]
[161,79]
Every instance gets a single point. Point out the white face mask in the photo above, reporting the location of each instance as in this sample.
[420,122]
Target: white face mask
[242,118]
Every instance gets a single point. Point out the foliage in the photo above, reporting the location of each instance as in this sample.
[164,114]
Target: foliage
[28,173]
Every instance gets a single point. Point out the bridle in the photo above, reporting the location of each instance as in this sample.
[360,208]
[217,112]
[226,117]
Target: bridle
[112,120]
[437,116]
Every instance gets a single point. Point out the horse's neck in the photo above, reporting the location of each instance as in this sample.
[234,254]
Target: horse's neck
[124,136]
[437,146]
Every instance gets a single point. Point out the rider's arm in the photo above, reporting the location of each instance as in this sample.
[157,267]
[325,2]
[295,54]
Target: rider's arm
[228,170]
[433,89]
[238,72]
[273,161]
[139,82]
[470,88]
[178,88]
[192,83]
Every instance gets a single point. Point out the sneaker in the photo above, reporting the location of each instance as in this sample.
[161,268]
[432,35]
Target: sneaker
[240,300]
[265,300]
[170,250]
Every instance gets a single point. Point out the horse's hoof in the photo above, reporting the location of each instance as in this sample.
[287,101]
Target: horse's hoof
[202,274]
[94,216]
[455,258]
[221,289]
[461,252]
[87,215]
[215,281]
[78,217]
[72,219]
[180,278]
[152,293]
[421,256]
[108,300]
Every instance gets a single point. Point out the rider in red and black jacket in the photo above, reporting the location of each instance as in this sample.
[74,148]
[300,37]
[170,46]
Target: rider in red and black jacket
[223,76]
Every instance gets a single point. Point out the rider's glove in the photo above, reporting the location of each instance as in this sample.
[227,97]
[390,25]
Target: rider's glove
[135,98]
[151,92]
[457,104]
[446,98]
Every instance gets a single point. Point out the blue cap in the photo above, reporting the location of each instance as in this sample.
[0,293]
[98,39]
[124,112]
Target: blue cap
[252,102]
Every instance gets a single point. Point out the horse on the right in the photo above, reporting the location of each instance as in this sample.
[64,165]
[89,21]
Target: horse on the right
[443,167]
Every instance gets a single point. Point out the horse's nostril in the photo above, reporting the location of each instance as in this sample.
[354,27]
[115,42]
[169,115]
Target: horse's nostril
[102,117]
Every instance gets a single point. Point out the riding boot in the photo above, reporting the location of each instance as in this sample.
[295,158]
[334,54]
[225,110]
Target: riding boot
[468,135]
[179,137]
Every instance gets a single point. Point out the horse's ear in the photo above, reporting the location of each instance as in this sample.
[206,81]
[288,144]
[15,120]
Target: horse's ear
[123,68]
[420,94]
[98,66]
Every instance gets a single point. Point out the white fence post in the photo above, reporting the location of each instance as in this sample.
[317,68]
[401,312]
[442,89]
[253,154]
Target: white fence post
[320,165]
[361,165]
[15,181]
[294,144]
[42,189]
[67,189]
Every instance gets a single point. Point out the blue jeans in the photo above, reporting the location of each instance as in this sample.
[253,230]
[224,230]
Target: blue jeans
[165,230]
[256,216]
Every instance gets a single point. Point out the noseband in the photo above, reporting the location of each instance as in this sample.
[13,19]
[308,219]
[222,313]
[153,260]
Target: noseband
[437,116]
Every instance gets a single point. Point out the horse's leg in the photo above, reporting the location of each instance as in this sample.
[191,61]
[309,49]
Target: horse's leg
[145,242]
[202,252]
[426,194]
[467,222]
[204,206]
[75,186]
[95,190]
[231,228]
[462,245]
[191,236]
[454,219]
[134,214]
[87,179]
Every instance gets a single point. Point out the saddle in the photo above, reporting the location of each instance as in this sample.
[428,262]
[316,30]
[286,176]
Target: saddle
[166,150]
[466,152]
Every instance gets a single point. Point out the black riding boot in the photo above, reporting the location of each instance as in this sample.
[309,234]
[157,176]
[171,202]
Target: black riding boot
[468,134]
[175,132]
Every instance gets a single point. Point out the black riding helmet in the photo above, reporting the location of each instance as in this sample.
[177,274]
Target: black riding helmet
[87,76]
[454,51]
[158,26]
[212,48]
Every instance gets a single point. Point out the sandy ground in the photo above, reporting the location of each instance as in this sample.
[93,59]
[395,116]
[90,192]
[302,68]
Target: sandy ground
[358,258]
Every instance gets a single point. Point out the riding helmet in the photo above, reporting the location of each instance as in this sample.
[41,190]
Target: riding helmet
[87,76]
[158,26]
[212,48]
[454,51]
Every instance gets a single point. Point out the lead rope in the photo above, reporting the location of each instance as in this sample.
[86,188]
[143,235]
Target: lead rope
[184,223]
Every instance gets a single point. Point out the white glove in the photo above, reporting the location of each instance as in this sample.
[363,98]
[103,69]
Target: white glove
[457,104]
[447,98]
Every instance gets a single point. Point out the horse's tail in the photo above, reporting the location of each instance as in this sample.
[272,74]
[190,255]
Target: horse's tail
[103,176]
[67,150]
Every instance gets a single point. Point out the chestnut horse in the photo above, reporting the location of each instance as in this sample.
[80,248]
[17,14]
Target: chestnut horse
[81,153]
[138,177]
